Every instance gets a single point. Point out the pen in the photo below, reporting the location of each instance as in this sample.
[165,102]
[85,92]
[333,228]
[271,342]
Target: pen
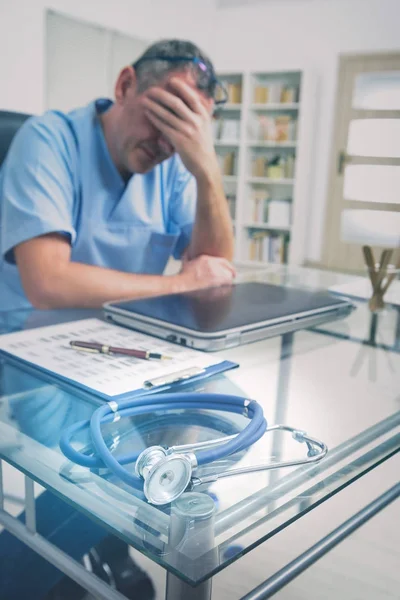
[105,349]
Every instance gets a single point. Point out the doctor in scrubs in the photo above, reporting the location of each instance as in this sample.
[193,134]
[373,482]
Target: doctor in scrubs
[92,205]
[94,202]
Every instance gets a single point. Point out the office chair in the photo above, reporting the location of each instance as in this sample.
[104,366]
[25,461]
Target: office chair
[10,122]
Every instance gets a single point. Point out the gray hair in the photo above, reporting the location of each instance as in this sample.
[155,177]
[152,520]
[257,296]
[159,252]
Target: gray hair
[162,58]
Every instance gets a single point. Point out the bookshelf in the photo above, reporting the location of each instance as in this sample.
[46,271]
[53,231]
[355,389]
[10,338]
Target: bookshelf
[266,166]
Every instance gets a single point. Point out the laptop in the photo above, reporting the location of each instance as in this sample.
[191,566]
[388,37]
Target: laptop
[223,317]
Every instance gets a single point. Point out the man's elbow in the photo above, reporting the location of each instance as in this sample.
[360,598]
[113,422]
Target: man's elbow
[222,248]
[229,253]
[226,251]
[41,301]
[42,295]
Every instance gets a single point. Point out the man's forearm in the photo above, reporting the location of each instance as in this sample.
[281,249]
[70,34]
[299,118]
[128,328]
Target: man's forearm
[212,231]
[80,285]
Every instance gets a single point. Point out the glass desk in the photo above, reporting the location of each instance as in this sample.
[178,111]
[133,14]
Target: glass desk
[338,382]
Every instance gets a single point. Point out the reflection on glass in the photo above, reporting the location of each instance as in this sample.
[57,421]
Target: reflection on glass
[372,183]
[374,137]
[377,91]
[373,227]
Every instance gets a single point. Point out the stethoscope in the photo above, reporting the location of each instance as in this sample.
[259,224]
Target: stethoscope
[165,473]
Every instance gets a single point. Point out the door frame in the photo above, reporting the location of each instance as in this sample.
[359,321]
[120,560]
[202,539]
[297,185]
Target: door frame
[343,110]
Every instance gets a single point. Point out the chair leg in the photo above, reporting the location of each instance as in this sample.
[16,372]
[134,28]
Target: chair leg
[378,273]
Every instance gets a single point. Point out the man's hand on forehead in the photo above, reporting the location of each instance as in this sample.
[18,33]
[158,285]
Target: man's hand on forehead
[182,113]
[183,93]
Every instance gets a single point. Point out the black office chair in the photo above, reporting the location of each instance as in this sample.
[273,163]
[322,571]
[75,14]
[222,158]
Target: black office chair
[10,122]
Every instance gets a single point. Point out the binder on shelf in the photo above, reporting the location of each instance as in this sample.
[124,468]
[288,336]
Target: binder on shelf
[47,351]
[279,213]
[265,246]
[234,92]
[261,94]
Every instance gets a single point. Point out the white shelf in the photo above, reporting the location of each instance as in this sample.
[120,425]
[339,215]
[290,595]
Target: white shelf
[256,144]
[269,181]
[275,106]
[266,227]
[226,143]
[229,106]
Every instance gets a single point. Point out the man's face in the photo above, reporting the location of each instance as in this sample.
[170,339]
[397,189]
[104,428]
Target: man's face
[139,145]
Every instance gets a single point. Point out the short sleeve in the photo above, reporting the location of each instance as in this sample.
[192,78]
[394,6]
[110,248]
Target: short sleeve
[36,189]
[182,211]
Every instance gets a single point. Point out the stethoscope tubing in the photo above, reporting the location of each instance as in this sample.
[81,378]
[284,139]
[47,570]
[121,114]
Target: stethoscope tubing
[172,401]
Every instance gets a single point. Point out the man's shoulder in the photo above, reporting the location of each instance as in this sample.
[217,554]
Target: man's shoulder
[54,128]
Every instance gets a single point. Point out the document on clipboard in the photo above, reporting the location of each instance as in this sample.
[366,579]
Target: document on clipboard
[108,375]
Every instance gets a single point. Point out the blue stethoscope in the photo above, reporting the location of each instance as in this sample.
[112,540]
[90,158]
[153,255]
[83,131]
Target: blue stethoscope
[165,473]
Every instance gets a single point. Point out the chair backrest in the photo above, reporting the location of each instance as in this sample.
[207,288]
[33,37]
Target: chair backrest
[10,122]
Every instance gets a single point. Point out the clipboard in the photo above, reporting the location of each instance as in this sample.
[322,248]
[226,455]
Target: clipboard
[47,350]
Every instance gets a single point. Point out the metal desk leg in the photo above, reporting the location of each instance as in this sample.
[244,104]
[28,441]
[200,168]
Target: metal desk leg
[1,486]
[30,507]
[281,406]
[191,536]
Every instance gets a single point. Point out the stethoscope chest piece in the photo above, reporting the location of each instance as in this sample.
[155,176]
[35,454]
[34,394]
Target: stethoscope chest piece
[165,476]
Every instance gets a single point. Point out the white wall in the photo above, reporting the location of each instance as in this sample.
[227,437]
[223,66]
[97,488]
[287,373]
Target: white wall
[307,34]
[22,36]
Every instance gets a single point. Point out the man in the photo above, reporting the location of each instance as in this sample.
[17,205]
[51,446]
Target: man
[92,205]
[94,202]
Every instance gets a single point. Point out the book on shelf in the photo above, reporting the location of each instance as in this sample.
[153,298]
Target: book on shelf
[264,246]
[227,162]
[275,167]
[258,166]
[290,94]
[275,93]
[258,205]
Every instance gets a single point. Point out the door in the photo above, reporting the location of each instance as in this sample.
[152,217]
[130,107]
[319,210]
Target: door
[364,198]
[83,60]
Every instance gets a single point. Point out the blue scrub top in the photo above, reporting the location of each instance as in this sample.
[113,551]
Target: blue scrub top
[59,177]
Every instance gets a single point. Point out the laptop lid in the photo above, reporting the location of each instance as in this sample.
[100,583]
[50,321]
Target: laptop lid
[220,310]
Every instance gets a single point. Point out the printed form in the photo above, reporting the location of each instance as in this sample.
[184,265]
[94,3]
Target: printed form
[110,374]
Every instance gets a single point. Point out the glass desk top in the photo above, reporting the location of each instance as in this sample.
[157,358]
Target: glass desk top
[339,382]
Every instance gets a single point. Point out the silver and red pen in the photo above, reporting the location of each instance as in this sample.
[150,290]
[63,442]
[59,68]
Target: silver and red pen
[106,349]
